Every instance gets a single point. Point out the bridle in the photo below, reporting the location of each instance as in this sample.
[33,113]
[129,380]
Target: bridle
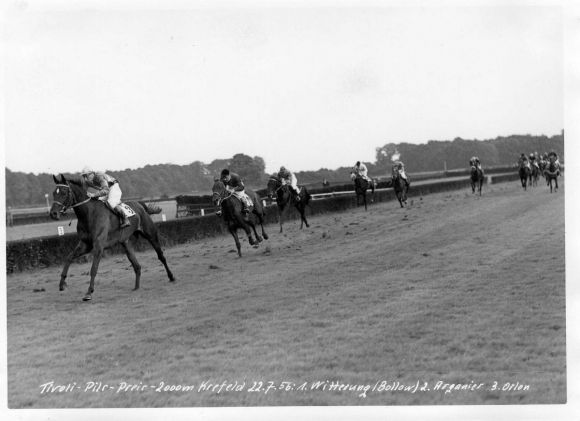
[277,180]
[69,201]
[225,194]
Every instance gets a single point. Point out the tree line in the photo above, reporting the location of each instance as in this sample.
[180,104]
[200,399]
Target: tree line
[168,180]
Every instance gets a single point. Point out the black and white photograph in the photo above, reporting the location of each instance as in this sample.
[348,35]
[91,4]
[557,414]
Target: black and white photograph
[290,210]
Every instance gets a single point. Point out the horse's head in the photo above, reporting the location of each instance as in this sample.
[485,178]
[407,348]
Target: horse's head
[274,183]
[63,197]
[218,191]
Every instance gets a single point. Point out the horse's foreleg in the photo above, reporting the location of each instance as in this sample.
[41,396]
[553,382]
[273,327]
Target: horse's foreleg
[280,217]
[303,220]
[81,249]
[131,256]
[97,254]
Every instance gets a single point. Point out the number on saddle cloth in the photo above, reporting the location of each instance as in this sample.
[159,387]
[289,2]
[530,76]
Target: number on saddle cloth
[128,210]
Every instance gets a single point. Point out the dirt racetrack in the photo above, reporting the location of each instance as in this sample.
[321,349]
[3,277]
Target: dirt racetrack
[456,299]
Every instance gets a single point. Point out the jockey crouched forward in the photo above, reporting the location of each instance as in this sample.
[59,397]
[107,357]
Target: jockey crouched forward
[107,190]
[235,185]
[288,178]
[523,161]
[475,162]
[553,160]
[399,169]
[361,170]
[533,161]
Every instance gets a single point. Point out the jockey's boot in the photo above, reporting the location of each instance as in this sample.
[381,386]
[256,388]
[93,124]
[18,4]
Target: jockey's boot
[125,219]
[297,195]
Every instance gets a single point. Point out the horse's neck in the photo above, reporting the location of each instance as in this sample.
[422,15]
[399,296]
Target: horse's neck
[81,211]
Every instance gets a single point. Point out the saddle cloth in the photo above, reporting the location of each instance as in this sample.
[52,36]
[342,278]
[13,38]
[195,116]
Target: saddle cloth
[128,210]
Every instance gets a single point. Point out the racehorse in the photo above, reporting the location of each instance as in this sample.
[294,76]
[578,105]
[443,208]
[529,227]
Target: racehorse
[286,198]
[551,173]
[98,228]
[231,208]
[524,172]
[476,179]
[543,164]
[534,174]
[361,185]
[401,189]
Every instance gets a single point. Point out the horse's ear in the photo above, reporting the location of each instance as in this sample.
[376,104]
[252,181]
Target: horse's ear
[59,179]
[216,179]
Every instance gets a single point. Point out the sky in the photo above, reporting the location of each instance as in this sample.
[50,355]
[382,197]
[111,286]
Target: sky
[307,85]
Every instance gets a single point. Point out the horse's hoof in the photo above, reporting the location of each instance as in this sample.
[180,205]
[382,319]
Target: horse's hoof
[265,237]
[87,297]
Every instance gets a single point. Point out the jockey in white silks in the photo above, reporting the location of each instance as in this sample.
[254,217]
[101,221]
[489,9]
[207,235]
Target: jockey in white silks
[399,169]
[361,170]
[288,178]
[474,162]
[108,190]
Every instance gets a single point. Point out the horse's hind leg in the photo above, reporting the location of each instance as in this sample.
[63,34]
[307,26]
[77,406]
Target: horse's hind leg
[81,249]
[258,238]
[237,240]
[153,239]
[136,266]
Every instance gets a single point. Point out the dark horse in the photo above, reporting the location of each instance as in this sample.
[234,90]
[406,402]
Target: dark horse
[551,173]
[534,174]
[231,208]
[285,198]
[524,172]
[361,185]
[401,189]
[476,179]
[98,228]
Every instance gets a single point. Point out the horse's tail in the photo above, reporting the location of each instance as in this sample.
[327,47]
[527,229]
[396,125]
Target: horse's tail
[150,208]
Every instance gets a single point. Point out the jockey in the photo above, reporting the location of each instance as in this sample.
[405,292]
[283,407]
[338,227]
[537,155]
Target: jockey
[533,160]
[108,191]
[399,169]
[553,159]
[474,162]
[287,177]
[361,170]
[524,159]
[235,185]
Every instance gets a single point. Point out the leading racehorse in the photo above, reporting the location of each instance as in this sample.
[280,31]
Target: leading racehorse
[285,199]
[361,185]
[98,228]
[476,179]
[401,188]
[231,208]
